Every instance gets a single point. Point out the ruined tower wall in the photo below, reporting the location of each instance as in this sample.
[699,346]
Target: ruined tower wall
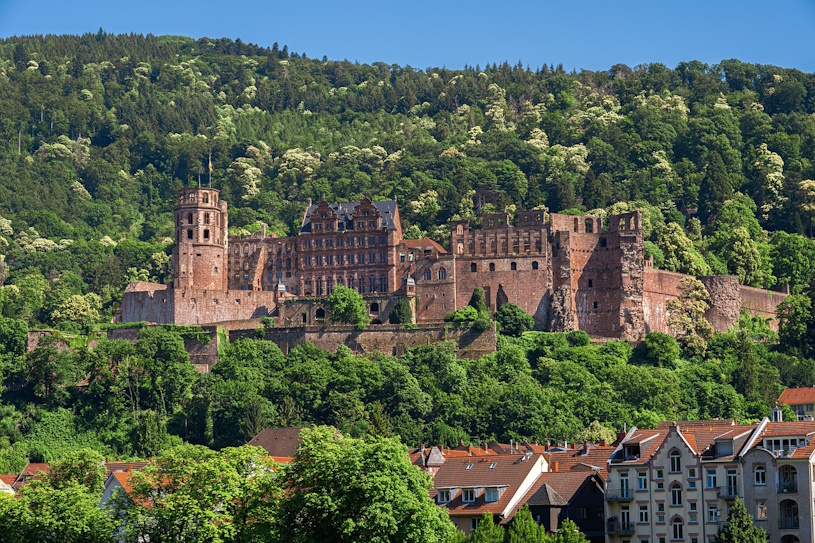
[761,302]
[659,287]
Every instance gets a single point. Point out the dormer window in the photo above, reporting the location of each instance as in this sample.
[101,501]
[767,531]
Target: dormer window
[468,495]
[724,448]
[491,495]
[444,496]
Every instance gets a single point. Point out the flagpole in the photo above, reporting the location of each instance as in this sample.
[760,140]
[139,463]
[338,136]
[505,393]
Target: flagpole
[210,169]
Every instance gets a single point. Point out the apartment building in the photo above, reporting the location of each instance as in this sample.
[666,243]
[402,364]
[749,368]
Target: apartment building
[675,482]
[801,400]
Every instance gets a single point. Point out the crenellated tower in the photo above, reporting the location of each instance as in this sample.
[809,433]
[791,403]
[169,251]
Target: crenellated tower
[202,240]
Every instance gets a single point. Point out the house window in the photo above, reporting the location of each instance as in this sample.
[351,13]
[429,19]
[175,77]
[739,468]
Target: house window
[442,273]
[468,495]
[582,512]
[711,478]
[676,494]
[513,266]
[712,513]
[676,526]
[761,475]
[642,480]
[534,264]
[676,462]
[444,496]
[491,495]
[643,513]
[691,478]
[761,510]
[473,524]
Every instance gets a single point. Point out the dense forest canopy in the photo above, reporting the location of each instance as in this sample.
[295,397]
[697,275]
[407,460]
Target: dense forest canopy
[98,131]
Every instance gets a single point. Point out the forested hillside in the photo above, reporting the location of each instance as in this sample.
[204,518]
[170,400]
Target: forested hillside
[97,132]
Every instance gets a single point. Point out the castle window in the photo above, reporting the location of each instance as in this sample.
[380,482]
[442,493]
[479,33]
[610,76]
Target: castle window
[513,266]
[473,267]
[603,242]
[594,304]
[401,257]
[374,307]
[320,314]
[383,284]
[576,223]
[206,234]
[372,284]
[589,226]
[442,273]
[590,283]
[189,218]
[206,218]
[189,234]
[534,264]
[492,267]
[206,198]
[427,275]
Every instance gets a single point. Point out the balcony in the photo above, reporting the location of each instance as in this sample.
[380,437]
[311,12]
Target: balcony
[624,458]
[788,523]
[729,492]
[618,494]
[620,528]
[788,487]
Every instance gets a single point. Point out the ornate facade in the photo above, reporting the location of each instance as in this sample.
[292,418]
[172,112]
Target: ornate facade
[569,272]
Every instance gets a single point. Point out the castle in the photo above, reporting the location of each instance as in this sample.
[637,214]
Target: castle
[569,272]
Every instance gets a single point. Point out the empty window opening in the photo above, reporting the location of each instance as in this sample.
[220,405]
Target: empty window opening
[576,225]
[513,266]
[492,267]
[189,218]
[594,304]
[374,307]
[589,226]
[603,242]
[591,284]
[320,314]
[189,234]
[473,267]
[206,234]
[534,264]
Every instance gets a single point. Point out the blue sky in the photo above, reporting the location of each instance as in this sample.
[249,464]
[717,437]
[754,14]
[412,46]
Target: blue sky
[580,34]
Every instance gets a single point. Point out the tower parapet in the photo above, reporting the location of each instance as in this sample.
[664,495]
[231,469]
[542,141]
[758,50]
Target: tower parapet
[202,240]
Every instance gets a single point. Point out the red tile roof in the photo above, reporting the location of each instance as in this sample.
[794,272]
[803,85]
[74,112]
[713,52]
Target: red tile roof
[281,442]
[797,396]
[423,244]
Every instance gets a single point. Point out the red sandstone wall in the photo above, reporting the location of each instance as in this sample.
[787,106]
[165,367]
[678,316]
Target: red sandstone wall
[762,302]
[206,307]
[154,305]
[659,286]
[524,286]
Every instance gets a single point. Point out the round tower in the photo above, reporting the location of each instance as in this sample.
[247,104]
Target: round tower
[201,240]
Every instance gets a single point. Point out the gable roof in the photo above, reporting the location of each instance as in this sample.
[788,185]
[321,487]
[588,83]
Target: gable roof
[502,471]
[278,442]
[345,213]
[423,244]
[798,396]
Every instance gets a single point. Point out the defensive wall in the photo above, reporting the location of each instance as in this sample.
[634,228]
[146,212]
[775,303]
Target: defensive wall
[388,339]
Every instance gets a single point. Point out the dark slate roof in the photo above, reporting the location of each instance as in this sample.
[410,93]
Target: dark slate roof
[547,496]
[345,211]
[278,441]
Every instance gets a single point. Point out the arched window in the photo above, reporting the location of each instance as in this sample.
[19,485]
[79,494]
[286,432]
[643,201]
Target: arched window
[492,267]
[374,307]
[676,494]
[205,199]
[320,314]
[676,526]
[761,475]
[534,264]
[427,275]
[513,266]
[787,479]
[676,462]
[442,273]
[473,267]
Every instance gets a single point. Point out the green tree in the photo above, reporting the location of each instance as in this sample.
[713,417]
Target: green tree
[679,253]
[714,190]
[401,312]
[374,494]
[524,529]
[569,533]
[487,531]
[596,432]
[514,321]
[478,302]
[687,316]
[740,527]
[347,306]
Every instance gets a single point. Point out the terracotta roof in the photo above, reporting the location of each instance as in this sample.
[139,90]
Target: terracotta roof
[581,460]
[278,442]
[505,471]
[117,466]
[424,243]
[797,396]
[8,479]
[123,478]
[796,428]
[33,468]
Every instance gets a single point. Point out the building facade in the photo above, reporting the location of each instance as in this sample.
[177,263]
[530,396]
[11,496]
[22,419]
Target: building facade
[569,272]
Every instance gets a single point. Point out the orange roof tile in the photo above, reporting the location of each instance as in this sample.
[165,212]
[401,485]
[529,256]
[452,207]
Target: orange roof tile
[798,396]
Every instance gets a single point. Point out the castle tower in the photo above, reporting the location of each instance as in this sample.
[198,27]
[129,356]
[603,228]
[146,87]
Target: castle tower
[201,240]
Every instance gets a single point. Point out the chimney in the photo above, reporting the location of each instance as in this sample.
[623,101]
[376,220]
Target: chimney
[555,467]
[602,443]
[263,231]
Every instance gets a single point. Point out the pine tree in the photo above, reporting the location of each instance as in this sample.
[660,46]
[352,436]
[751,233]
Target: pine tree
[715,189]
[592,192]
[740,527]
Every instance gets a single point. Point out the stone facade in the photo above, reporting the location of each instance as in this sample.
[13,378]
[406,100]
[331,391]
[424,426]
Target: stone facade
[568,272]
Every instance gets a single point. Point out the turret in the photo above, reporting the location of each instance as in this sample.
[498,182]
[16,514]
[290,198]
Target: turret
[201,240]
